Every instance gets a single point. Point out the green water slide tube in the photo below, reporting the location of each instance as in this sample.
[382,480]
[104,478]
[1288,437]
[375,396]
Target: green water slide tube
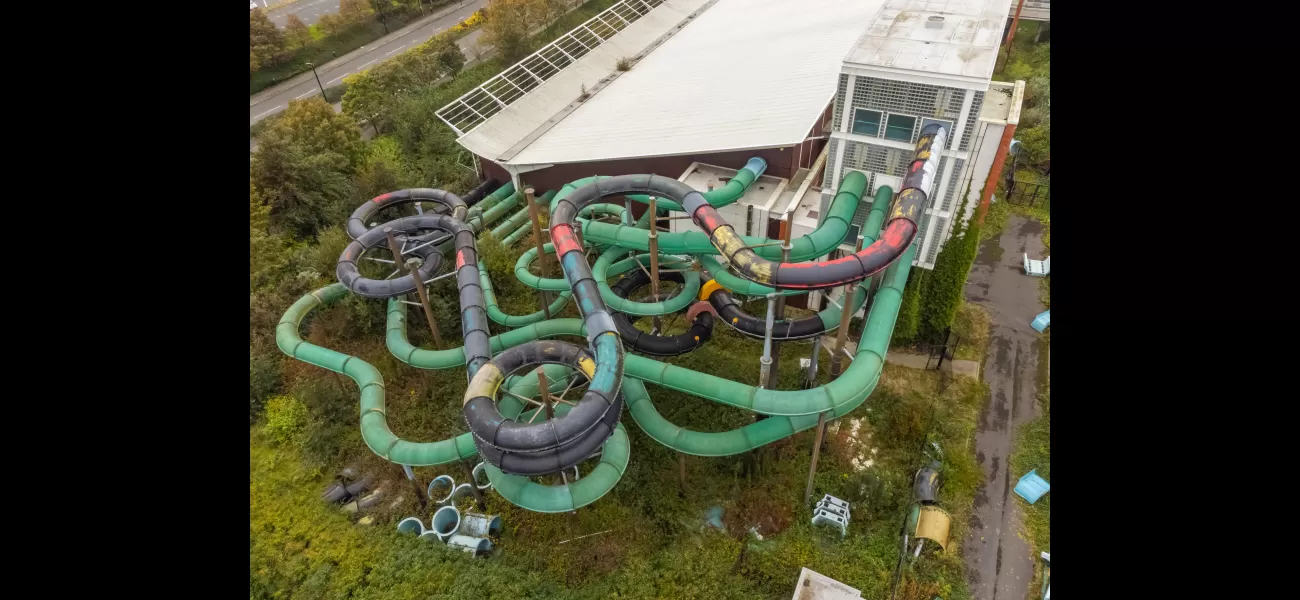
[499,316]
[696,443]
[537,497]
[516,220]
[603,269]
[491,200]
[837,397]
[382,441]
[374,421]
[841,211]
[718,198]
[815,244]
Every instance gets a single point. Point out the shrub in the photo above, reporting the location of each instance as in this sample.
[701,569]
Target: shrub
[263,379]
[624,64]
[945,285]
[284,419]
[909,312]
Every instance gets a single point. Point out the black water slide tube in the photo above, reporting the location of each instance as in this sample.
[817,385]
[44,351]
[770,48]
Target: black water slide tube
[658,345]
[898,234]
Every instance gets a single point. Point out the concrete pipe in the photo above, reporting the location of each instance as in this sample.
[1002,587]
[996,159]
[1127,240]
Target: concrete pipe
[472,545]
[440,482]
[411,525]
[371,500]
[335,493]
[445,522]
[431,536]
[360,485]
[480,471]
[463,490]
[477,525]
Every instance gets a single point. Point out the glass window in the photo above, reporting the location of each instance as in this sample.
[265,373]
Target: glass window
[899,127]
[866,122]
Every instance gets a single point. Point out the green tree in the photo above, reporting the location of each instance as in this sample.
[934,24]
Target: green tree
[355,11]
[304,192]
[385,169]
[332,24]
[265,39]
[368,98]
[313,125]
[448,55]
[296,32]
[303,167]
[270,255]
[506,28]
[252,61]
[1036,143]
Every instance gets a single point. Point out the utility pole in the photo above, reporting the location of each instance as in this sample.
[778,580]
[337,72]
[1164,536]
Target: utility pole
[1015,22]
[413,265]
[817,447]
[774,373]
[654,263]
[535,214]
[318,84]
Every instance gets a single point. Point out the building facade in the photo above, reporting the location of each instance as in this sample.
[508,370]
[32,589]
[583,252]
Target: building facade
[919,63]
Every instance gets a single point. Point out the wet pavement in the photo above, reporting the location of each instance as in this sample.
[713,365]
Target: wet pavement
[999,566]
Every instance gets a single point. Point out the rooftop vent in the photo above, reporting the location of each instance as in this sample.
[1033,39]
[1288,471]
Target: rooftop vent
[934,22]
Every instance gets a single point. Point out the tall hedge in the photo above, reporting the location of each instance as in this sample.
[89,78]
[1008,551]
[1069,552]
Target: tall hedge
[943,288]
[909,311]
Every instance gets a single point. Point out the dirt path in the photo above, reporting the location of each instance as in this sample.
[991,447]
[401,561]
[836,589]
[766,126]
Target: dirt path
[998,563]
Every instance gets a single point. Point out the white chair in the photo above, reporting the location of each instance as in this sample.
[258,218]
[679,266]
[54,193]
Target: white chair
[1038,268]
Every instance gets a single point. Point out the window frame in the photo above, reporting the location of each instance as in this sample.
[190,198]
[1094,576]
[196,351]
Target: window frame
[911,133]
[879,121]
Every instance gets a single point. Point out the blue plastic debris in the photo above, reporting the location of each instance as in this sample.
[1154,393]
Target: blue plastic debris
[713,516]
[1031,487]
[1042,321]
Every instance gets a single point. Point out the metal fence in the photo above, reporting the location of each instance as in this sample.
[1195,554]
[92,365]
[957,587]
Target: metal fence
[1022,193]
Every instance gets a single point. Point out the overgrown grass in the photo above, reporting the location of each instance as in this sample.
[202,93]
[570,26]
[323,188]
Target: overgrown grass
[1034,451]
[658,547]
[972,324]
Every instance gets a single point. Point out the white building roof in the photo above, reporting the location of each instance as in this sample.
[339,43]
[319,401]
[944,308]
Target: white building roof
[536,94]
[744,74]
[954,38]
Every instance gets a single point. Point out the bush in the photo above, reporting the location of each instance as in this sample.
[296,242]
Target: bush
[909,312]
[335,93]
[944,287]
[284,419]
[263,379]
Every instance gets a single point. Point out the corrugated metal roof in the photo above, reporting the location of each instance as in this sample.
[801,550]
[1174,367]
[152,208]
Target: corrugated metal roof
[509,127]
[744,74]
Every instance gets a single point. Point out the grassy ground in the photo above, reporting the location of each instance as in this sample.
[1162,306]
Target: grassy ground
[658,546]
[972,324]
[1034,451]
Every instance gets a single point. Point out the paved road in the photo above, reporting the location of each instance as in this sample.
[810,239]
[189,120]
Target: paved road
[309,11]
[999,566]
[274,100]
